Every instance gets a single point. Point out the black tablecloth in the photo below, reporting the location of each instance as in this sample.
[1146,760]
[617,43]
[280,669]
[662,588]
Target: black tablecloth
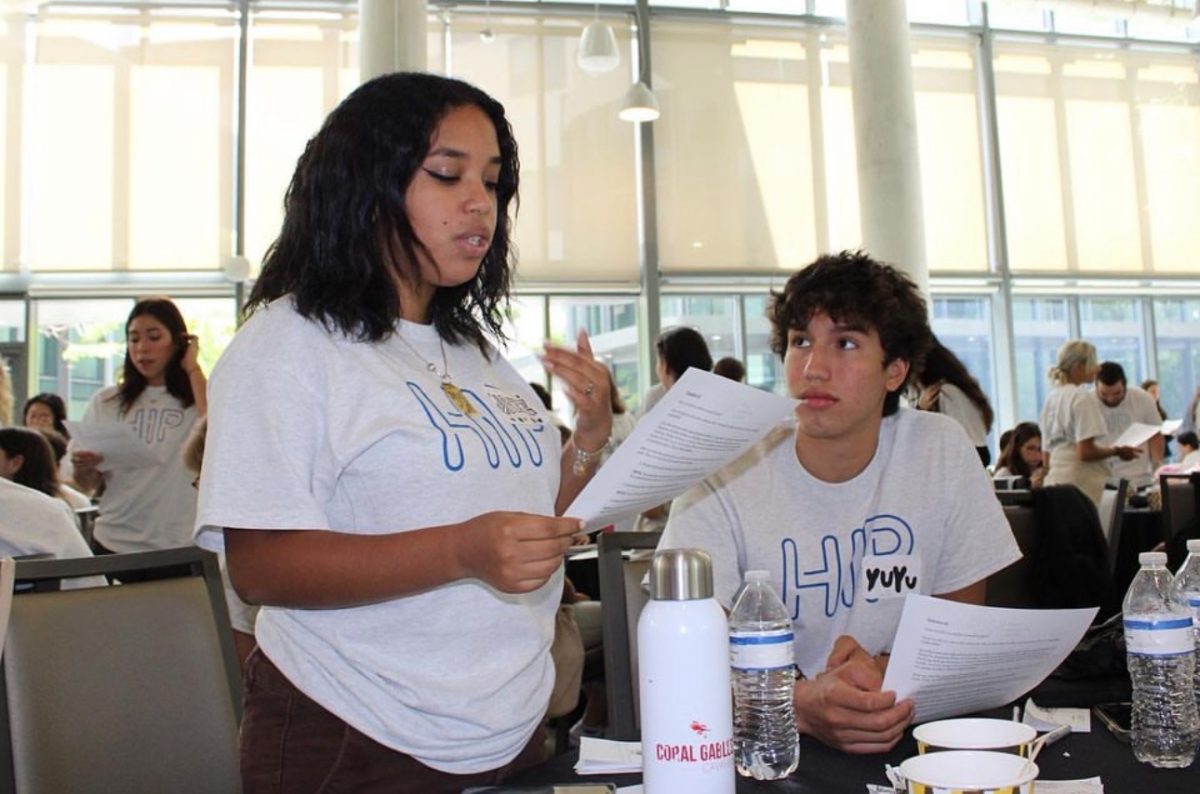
[826,771]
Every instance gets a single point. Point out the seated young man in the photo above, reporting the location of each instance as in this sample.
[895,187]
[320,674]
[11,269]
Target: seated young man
[854,488]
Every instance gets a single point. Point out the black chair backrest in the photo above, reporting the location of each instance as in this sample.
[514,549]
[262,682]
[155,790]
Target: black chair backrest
[1180,501]
[1014,586]
[621,603]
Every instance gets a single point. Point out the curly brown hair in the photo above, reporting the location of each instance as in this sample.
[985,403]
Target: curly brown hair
[851,287]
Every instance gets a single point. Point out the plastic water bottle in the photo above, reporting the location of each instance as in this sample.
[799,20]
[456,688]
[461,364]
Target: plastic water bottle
[1186,592]
[1161,654]
[765,742]
[683,677]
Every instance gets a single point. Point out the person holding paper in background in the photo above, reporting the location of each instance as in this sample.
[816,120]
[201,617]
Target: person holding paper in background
[856,503]
[1122,405]
[160,394]
[1073,427]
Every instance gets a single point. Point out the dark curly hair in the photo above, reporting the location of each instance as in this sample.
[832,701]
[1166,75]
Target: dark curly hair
[133,383]
[347,197]
[853,288]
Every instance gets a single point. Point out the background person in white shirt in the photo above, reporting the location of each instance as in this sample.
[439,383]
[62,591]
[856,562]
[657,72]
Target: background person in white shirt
[160,395]
[1072,426]
[853,472]
[1121,406]
[948,387]
[33,523]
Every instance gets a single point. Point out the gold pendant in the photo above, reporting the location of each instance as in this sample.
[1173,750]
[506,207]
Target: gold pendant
[459,399]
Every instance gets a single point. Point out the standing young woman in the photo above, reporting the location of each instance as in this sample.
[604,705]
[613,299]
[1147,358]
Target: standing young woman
[383,483]
[1071,421]
[160,395]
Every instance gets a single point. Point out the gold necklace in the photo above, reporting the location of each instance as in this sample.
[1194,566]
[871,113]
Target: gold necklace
[453,392]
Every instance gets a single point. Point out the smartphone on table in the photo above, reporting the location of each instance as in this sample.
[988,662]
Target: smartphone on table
[1117,717]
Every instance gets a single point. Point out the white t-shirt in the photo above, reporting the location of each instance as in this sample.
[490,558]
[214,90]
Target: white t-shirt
[150,507]
[923,512]
[954,403]
[311,430]
[33,523]
[1070,415]
[1138,406]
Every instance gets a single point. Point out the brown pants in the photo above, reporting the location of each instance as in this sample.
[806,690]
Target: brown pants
[289,744]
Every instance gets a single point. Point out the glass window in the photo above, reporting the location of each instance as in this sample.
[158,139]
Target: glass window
[302,65]
[714,316]
[1100,158]
[124,110]
[576,154]
[1177,336]
[612,328]
[744,194]
[12,321]
[764,368]
[1114,326]
[80,344]
[1041,326]
[950,156]
[964,325]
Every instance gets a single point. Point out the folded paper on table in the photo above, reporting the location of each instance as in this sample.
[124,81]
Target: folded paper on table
[606,757]
[701,424]
[1091,785]
[116,442]
[1044,719]
[953,658]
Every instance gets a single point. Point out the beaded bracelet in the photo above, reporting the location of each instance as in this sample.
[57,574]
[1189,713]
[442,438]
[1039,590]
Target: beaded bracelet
[584,459]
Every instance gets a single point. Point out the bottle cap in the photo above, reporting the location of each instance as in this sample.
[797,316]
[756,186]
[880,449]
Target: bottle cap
[1193,545]
[681,575]
[1152,558]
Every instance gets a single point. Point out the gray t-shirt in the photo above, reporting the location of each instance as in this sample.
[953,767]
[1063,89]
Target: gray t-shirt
[312,430]
[922,517]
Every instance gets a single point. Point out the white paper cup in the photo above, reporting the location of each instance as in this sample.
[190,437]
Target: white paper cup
[975,734]
[968,772]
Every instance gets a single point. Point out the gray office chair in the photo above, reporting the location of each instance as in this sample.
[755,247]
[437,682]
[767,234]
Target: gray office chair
[622,599]
[129,688]
[1013,586]
[1112,513]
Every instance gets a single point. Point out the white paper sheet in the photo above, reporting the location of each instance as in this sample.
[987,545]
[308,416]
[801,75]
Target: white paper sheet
[954,659]
[1137,434]
[1046,719]
[1091,785]
[1170,426]
[704,422]
[606,757]
[116,442]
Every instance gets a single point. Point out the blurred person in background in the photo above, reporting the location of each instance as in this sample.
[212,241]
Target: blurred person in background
[947,387]
[1072,424]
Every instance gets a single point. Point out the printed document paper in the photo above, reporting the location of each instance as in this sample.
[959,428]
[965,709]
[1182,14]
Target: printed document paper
[703,422]
[954,659]
[1137,434]
[116,441]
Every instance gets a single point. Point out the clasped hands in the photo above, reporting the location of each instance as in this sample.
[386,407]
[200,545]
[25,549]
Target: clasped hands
[845,708]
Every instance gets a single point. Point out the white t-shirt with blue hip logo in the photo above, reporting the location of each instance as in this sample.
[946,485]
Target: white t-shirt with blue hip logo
[309,429]
[922,517]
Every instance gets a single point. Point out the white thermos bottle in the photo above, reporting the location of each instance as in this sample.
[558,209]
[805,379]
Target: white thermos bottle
[686,704]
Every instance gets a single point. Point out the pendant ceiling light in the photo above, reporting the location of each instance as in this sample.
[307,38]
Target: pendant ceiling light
[639,104]
[598,47]
[487,35]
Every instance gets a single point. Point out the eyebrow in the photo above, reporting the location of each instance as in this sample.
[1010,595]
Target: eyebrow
[458,154]
[839,328]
